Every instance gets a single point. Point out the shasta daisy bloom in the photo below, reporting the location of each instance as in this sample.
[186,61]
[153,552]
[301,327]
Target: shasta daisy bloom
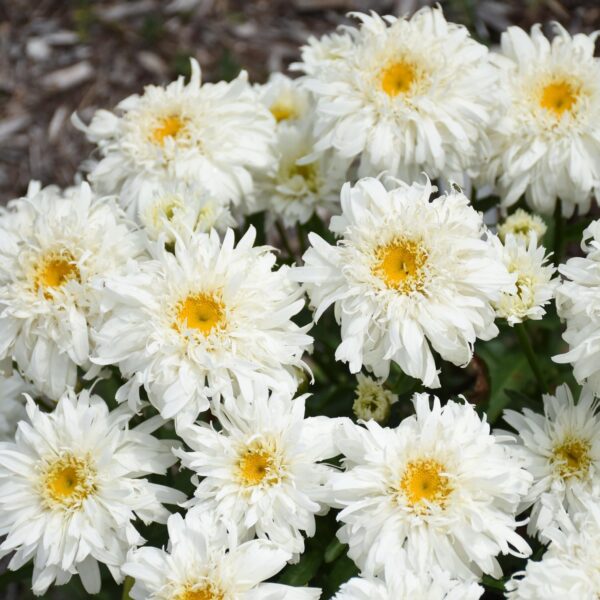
[561,449]
[301,184]
[324,51]
[202,322]
[174,208]
[72,483]
[205,561]
[535,282]
[402,582]
[546,139]
[522,224]
[203,134]
[410,95]
[62,249]
[577,304]
[409,275]
[262,471]
[570,568]
[372,401]
[12,400]
[439,486]
[286,99]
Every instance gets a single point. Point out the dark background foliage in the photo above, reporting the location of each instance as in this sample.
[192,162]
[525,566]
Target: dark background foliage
[61,56]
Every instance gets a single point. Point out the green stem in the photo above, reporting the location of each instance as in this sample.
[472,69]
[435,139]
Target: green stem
[559,233]
[284,240]
[301,240]
[127,585]
[496,584]
[527,348]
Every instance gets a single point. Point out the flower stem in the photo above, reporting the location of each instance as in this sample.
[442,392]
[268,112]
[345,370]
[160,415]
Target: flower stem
[559,233]
[527,348]
[284,240]
[301,240]
[127,585]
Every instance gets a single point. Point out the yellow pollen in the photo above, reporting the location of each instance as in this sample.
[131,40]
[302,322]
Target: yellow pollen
[54,271]
[399,265]
[572,458]
[170,126]
[68,481]
[423,482]
[257,464]
[207,592]
[283,111]
[558,97]
[309,173]
[203,312]
[398,78]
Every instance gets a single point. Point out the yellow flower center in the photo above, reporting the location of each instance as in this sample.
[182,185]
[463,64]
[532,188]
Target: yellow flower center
[68,481]
[202,312]
[170,126]
[207,592]
[400,263]
[424,483]
[559,97]
[283,111]
[572,458]
[54,271]
[398,78]
[310,174]
[257,464]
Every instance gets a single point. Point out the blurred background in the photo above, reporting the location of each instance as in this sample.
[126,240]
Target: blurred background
[61,56]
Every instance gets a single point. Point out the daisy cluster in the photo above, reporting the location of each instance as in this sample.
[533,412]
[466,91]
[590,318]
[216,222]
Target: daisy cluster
[219,347]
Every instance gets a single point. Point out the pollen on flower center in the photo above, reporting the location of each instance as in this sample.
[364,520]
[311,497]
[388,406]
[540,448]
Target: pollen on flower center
[54,271]
[559,97]
[206,592]
[423,482]
[400,263]
[202,312]
[68,481]
[572,458]
[309,173]
[283,111]
[257,464]
[170,126]
[398,78]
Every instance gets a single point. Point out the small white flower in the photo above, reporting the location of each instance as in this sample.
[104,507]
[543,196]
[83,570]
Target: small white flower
[409,275]
[561,449]
[577,303]
[324,52]
[205,561]
[202,134]
[402,582]
[439,486]
[535,285]
[546,139]
[522,224]
[71,485]
[570,568]
[202,322]
[262,471]
[286,99]
[408,95]
[372,401]
[58,250]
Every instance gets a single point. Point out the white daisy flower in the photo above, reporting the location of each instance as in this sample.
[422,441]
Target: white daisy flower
[410,95]
[71,485]
[262,471]
[12,400]
[205,561]
[402,582]
[409,275]
[535,284]
[286,99]
[440,486]
[546,140]
[301,184]
[372,401]
[561,449]
[203,134]
[174,209]
[522,224]
[570,567]
[322,52]
[202,322]
[577,304]
[62,249]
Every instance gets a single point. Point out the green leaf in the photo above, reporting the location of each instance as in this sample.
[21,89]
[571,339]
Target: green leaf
[302,572]
[334,549]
